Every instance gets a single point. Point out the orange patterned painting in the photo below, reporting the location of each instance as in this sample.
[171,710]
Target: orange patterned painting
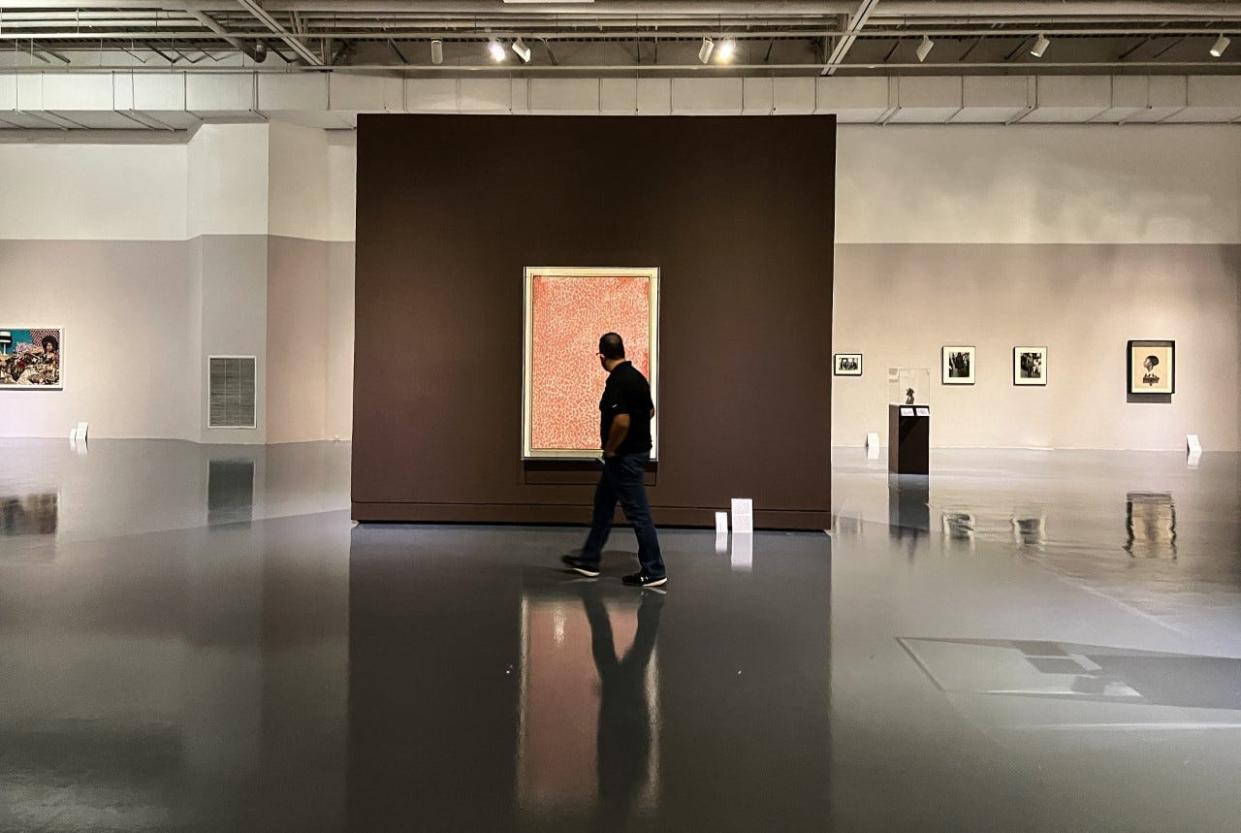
[566,312]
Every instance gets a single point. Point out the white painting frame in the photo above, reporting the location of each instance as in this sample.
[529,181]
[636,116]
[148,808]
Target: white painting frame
[60,336]
[1021,377]
[950,368]
[652,275]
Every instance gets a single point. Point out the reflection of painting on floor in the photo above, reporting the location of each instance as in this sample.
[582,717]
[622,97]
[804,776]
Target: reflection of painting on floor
[29,515]
[1150,524]
[573,758]
[30,358]
[567,310]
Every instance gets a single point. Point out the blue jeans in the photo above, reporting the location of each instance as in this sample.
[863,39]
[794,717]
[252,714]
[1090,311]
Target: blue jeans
[622,480]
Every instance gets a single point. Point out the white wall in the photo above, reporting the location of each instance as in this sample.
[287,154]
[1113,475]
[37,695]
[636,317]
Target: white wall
[1074,238]
[227,174]
[133,188]
[310,284]
[1038,184]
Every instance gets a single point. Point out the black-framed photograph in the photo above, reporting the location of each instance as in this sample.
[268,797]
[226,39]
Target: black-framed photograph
[1029,366]
[1152,367]
[847,364]
[958,365]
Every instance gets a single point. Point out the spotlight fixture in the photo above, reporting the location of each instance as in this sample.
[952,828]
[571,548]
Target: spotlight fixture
[704,51]
[521,51]
[925,48]
[496,50]
[1040,46]
[437,52]
[728,50]
[1220,46]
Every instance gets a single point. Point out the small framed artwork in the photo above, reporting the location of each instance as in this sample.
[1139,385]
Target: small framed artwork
[847,364]
[1029,365]
[958,365]
[31,358]
[1152,367]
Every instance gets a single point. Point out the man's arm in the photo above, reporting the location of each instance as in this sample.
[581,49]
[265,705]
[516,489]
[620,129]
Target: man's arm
[617,432]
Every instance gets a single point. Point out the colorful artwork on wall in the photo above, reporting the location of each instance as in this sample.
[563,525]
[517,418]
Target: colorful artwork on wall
[566,311]
[31,358]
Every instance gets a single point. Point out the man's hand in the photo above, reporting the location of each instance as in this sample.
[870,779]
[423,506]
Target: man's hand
[616,435]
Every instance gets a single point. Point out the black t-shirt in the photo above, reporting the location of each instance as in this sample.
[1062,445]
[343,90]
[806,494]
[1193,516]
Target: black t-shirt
[627,392]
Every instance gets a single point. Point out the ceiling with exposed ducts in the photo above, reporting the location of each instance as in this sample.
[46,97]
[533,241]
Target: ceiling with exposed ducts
[171,65]
[446,37]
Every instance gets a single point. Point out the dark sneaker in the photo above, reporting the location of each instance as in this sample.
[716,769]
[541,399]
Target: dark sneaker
[643,580]
[580,566]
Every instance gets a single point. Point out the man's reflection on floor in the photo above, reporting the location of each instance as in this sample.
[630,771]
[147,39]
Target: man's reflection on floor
[589,737]
[624,733]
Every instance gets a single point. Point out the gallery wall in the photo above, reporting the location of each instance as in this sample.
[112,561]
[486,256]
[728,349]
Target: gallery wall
[734,213]
[154,251]
[1050,235]
[1074,238]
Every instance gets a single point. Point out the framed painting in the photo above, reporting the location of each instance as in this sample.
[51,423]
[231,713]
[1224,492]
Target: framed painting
[847,364]
[1152,367]
[567,309]
[1029,366]
[958,365]
[31,358]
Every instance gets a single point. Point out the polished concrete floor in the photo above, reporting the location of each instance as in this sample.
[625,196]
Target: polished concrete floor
[194,639]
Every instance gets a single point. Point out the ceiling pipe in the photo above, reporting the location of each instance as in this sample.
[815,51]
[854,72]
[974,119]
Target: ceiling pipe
[648,10]
[669,70]
[620,36]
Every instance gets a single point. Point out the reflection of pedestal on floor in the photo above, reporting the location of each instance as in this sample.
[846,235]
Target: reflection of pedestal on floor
[78,437]
[909,510]
[909,439]
[721,532]
[743,552]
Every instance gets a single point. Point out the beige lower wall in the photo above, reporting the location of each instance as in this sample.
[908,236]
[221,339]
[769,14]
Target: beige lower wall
[140,318]
[309,340]
[129,318]
[898,304]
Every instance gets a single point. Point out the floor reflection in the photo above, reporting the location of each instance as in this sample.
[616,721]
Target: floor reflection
[1069,671]
[491,691]
[587,662]
[1150,524]
[230,492]
[909,509]
[37,514]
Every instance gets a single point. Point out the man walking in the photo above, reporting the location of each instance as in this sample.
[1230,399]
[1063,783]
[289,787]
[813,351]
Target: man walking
[625,413]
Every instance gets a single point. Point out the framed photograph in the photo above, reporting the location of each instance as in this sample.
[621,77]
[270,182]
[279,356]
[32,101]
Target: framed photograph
[1152,367]
[1029,365]
[566,310]
[847,364]
[31,358]
[958,365]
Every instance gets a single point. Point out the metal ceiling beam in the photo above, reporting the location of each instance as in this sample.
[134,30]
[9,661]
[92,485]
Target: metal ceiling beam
[629,70]
[208,23]
[856,22]
[271,23]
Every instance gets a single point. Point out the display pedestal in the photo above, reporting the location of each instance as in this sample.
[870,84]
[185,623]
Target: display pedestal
[909,439]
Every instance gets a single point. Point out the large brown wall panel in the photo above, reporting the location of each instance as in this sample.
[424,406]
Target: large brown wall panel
[736,212]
